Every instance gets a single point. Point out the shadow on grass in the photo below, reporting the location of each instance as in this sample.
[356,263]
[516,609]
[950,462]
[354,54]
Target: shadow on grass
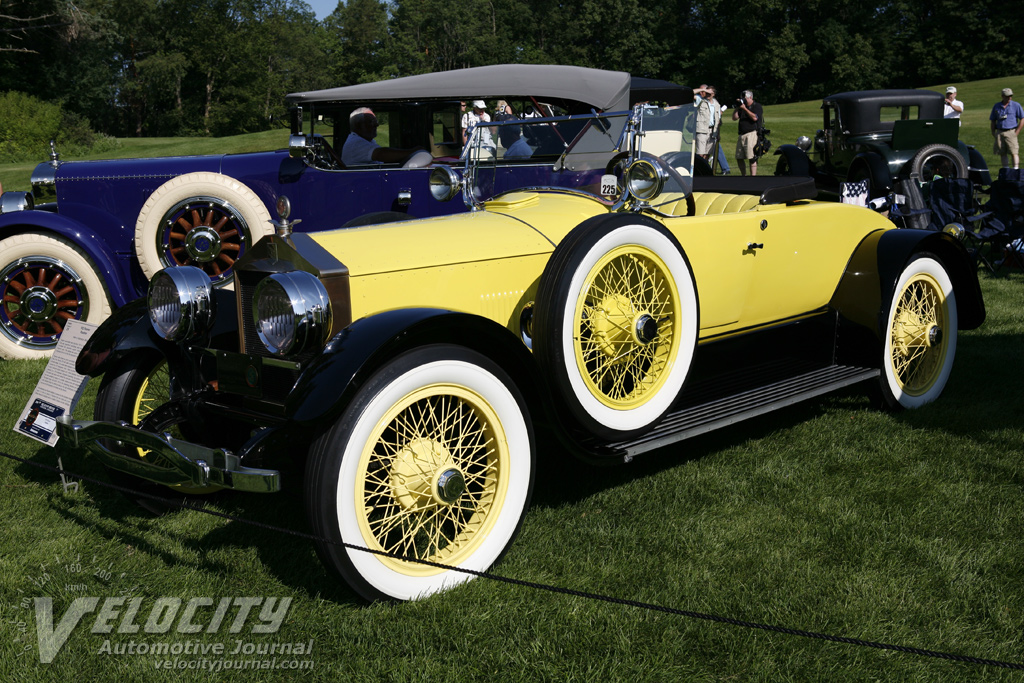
[109,514]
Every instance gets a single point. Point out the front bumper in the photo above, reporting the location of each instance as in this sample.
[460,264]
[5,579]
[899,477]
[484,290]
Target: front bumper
[170,461]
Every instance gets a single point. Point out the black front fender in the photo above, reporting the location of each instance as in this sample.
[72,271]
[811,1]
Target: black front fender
[128,330]
[330,382]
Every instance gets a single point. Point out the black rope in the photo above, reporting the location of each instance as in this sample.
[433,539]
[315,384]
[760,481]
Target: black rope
[546,587]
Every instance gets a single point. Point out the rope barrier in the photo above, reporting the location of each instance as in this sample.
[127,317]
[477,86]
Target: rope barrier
[541,586]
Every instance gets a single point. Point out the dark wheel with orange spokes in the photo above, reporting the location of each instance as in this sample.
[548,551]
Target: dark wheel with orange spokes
[45,282]
[204,232]
[206,220]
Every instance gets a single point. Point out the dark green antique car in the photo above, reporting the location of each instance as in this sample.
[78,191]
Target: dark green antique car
[882,136]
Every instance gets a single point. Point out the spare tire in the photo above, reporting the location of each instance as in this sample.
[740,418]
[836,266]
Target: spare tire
[937,160]
[200,219]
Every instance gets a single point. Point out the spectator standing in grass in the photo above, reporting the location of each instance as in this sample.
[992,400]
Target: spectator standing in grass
[748,113]
[705,121]
[952,107]
[1006,119]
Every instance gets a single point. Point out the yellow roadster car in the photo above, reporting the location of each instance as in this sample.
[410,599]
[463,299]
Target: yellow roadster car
[617,305]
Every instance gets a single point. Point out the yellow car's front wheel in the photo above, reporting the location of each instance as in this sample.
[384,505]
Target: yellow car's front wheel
[131,390]
[430,467]
[921,332]
[616,323]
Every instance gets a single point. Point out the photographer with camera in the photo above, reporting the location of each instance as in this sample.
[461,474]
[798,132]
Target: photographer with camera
[749,114]
[1007,118]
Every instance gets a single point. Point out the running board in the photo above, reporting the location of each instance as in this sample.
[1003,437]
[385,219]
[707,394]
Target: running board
[697,419]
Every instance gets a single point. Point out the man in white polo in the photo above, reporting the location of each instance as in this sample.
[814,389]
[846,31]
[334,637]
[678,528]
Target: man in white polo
[361,148]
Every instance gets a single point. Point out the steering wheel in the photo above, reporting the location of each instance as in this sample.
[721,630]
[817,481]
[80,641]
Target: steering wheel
[323,155]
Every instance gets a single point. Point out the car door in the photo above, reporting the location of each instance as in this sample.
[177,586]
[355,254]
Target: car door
[722,263]
[799,257]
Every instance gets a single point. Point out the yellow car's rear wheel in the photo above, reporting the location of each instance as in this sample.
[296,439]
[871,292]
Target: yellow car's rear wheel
[432,464]
[616,323]
[921,333]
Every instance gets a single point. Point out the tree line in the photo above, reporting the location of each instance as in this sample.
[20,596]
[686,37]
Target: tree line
[199,67]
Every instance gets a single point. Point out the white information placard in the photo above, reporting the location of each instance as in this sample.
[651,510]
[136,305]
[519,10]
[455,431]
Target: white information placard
[60,387]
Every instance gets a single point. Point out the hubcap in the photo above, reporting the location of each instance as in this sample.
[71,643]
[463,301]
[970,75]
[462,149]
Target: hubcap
[449,486]
[646,329]
[203,244]
[38,303]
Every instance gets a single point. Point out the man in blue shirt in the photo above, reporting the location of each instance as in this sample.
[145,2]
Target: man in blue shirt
[1007,119]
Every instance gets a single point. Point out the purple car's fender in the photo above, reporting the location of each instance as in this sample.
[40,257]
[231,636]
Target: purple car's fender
[97,245]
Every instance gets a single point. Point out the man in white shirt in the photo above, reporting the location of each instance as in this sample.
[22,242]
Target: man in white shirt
[361,148]
[952,108]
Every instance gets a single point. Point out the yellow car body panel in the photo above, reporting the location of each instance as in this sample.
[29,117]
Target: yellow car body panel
[484,263]
[753,266]
[749,276]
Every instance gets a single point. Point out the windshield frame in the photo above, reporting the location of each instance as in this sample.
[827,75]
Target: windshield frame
[585,161]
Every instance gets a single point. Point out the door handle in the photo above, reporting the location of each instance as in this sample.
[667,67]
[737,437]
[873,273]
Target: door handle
[754,245]
[405,197]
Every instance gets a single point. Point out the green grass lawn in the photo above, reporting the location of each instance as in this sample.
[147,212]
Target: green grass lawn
[828,516]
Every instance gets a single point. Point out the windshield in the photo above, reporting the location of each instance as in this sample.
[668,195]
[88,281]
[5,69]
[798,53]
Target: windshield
[582,153]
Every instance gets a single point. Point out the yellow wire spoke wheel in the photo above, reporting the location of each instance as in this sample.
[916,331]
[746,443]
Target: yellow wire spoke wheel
[615,323]
[921,335]
[431,462]
[627,323]
[154,392]
[433,479]
[918,338]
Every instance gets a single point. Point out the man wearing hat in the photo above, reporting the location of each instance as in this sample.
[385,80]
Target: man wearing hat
[1007,118]
[953,107]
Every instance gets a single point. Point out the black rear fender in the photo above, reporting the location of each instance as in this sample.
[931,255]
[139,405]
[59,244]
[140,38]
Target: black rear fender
[866,288]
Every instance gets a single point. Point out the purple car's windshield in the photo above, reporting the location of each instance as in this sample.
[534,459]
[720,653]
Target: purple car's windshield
[583,153]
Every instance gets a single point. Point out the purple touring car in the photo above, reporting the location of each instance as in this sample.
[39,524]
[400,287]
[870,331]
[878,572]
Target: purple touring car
[92,233]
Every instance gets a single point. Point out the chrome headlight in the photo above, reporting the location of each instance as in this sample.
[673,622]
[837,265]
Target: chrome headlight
[11,202]
[292,311]
[645,179]
[444,183]
[804,143]
[180,303]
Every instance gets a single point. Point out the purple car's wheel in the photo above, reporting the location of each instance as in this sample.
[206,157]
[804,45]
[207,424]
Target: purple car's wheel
[206,220]
[44,283]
